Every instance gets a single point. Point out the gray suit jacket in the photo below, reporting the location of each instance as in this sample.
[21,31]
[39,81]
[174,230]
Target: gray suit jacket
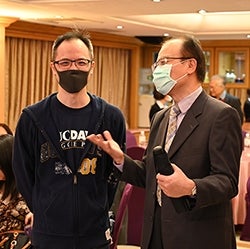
[207,147]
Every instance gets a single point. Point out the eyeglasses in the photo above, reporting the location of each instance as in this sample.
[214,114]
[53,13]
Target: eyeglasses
[67,63]
[164,60]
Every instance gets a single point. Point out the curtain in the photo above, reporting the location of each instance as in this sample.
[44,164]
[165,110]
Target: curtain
[29,77]
[111,76]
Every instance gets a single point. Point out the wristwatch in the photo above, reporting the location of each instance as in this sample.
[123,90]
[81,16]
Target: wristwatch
[193,192]
[192,198]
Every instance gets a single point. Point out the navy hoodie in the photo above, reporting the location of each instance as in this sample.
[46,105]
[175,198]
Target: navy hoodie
[70,205]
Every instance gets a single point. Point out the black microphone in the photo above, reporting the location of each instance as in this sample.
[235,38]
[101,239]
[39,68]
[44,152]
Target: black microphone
[164,167]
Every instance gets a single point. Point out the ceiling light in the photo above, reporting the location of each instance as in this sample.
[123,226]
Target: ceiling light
[248,36]
[59,17]
[165,34]
[202,12]
[156,1]
[119,27]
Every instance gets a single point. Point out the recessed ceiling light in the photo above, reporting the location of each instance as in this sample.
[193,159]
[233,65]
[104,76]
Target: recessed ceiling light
[165,34]
[119,27]
[156,1]
[202,12]
[248,36]
[59,17]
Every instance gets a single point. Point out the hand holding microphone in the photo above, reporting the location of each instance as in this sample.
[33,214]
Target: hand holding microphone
[164,167]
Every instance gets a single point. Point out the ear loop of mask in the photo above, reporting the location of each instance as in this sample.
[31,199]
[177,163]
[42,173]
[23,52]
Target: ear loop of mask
[183,76]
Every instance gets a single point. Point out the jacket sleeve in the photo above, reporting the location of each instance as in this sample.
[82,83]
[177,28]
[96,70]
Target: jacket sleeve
[115,124]
[24,157]
[225,147]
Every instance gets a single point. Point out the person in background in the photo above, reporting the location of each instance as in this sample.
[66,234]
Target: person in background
[15,214]
[217,87]
[161,101]
[5,129]
[246,107]
[204,153]
[67,182]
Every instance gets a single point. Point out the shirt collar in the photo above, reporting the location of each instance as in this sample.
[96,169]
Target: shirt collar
[159,103]
[186,103]
[223,95]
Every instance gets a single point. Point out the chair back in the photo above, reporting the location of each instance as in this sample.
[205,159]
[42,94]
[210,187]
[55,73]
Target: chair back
[132,201]
[135,216]
[245,233]
[136,152]
[121,213]
[130,139]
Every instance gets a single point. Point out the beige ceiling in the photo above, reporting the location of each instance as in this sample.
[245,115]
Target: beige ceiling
[225,19]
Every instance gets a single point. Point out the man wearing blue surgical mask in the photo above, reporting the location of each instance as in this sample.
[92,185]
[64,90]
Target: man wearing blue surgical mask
[204,152]
[162,73]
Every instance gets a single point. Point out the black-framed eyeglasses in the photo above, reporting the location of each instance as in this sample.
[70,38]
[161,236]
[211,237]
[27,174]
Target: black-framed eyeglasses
[81,63]
[165,60]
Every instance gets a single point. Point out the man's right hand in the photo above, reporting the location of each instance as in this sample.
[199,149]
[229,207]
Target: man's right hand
[106,142]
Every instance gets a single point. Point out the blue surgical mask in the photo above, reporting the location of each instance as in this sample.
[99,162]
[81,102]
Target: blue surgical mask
[162,79]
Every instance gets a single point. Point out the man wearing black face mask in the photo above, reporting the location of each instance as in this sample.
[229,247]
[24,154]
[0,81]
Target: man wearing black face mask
[67,181]
[72,81]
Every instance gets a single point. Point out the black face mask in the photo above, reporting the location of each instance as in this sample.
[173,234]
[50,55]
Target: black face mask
[73,81]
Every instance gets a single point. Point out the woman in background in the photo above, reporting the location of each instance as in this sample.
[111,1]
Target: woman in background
[161,101]
[15,215]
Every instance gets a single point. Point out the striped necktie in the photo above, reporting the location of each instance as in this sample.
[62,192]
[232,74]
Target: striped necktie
[172,128]
[172,125]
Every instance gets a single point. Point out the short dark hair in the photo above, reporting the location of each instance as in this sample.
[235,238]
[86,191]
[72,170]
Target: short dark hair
[6,146]
[82,35]
[157,95]
[248,91]
[192,49]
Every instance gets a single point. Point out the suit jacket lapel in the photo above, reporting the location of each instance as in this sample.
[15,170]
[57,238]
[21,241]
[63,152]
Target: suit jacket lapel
[159,129]
[188,124]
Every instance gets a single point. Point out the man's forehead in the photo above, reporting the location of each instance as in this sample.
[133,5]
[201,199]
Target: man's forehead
[215,83]
[173,47]
[75,46]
